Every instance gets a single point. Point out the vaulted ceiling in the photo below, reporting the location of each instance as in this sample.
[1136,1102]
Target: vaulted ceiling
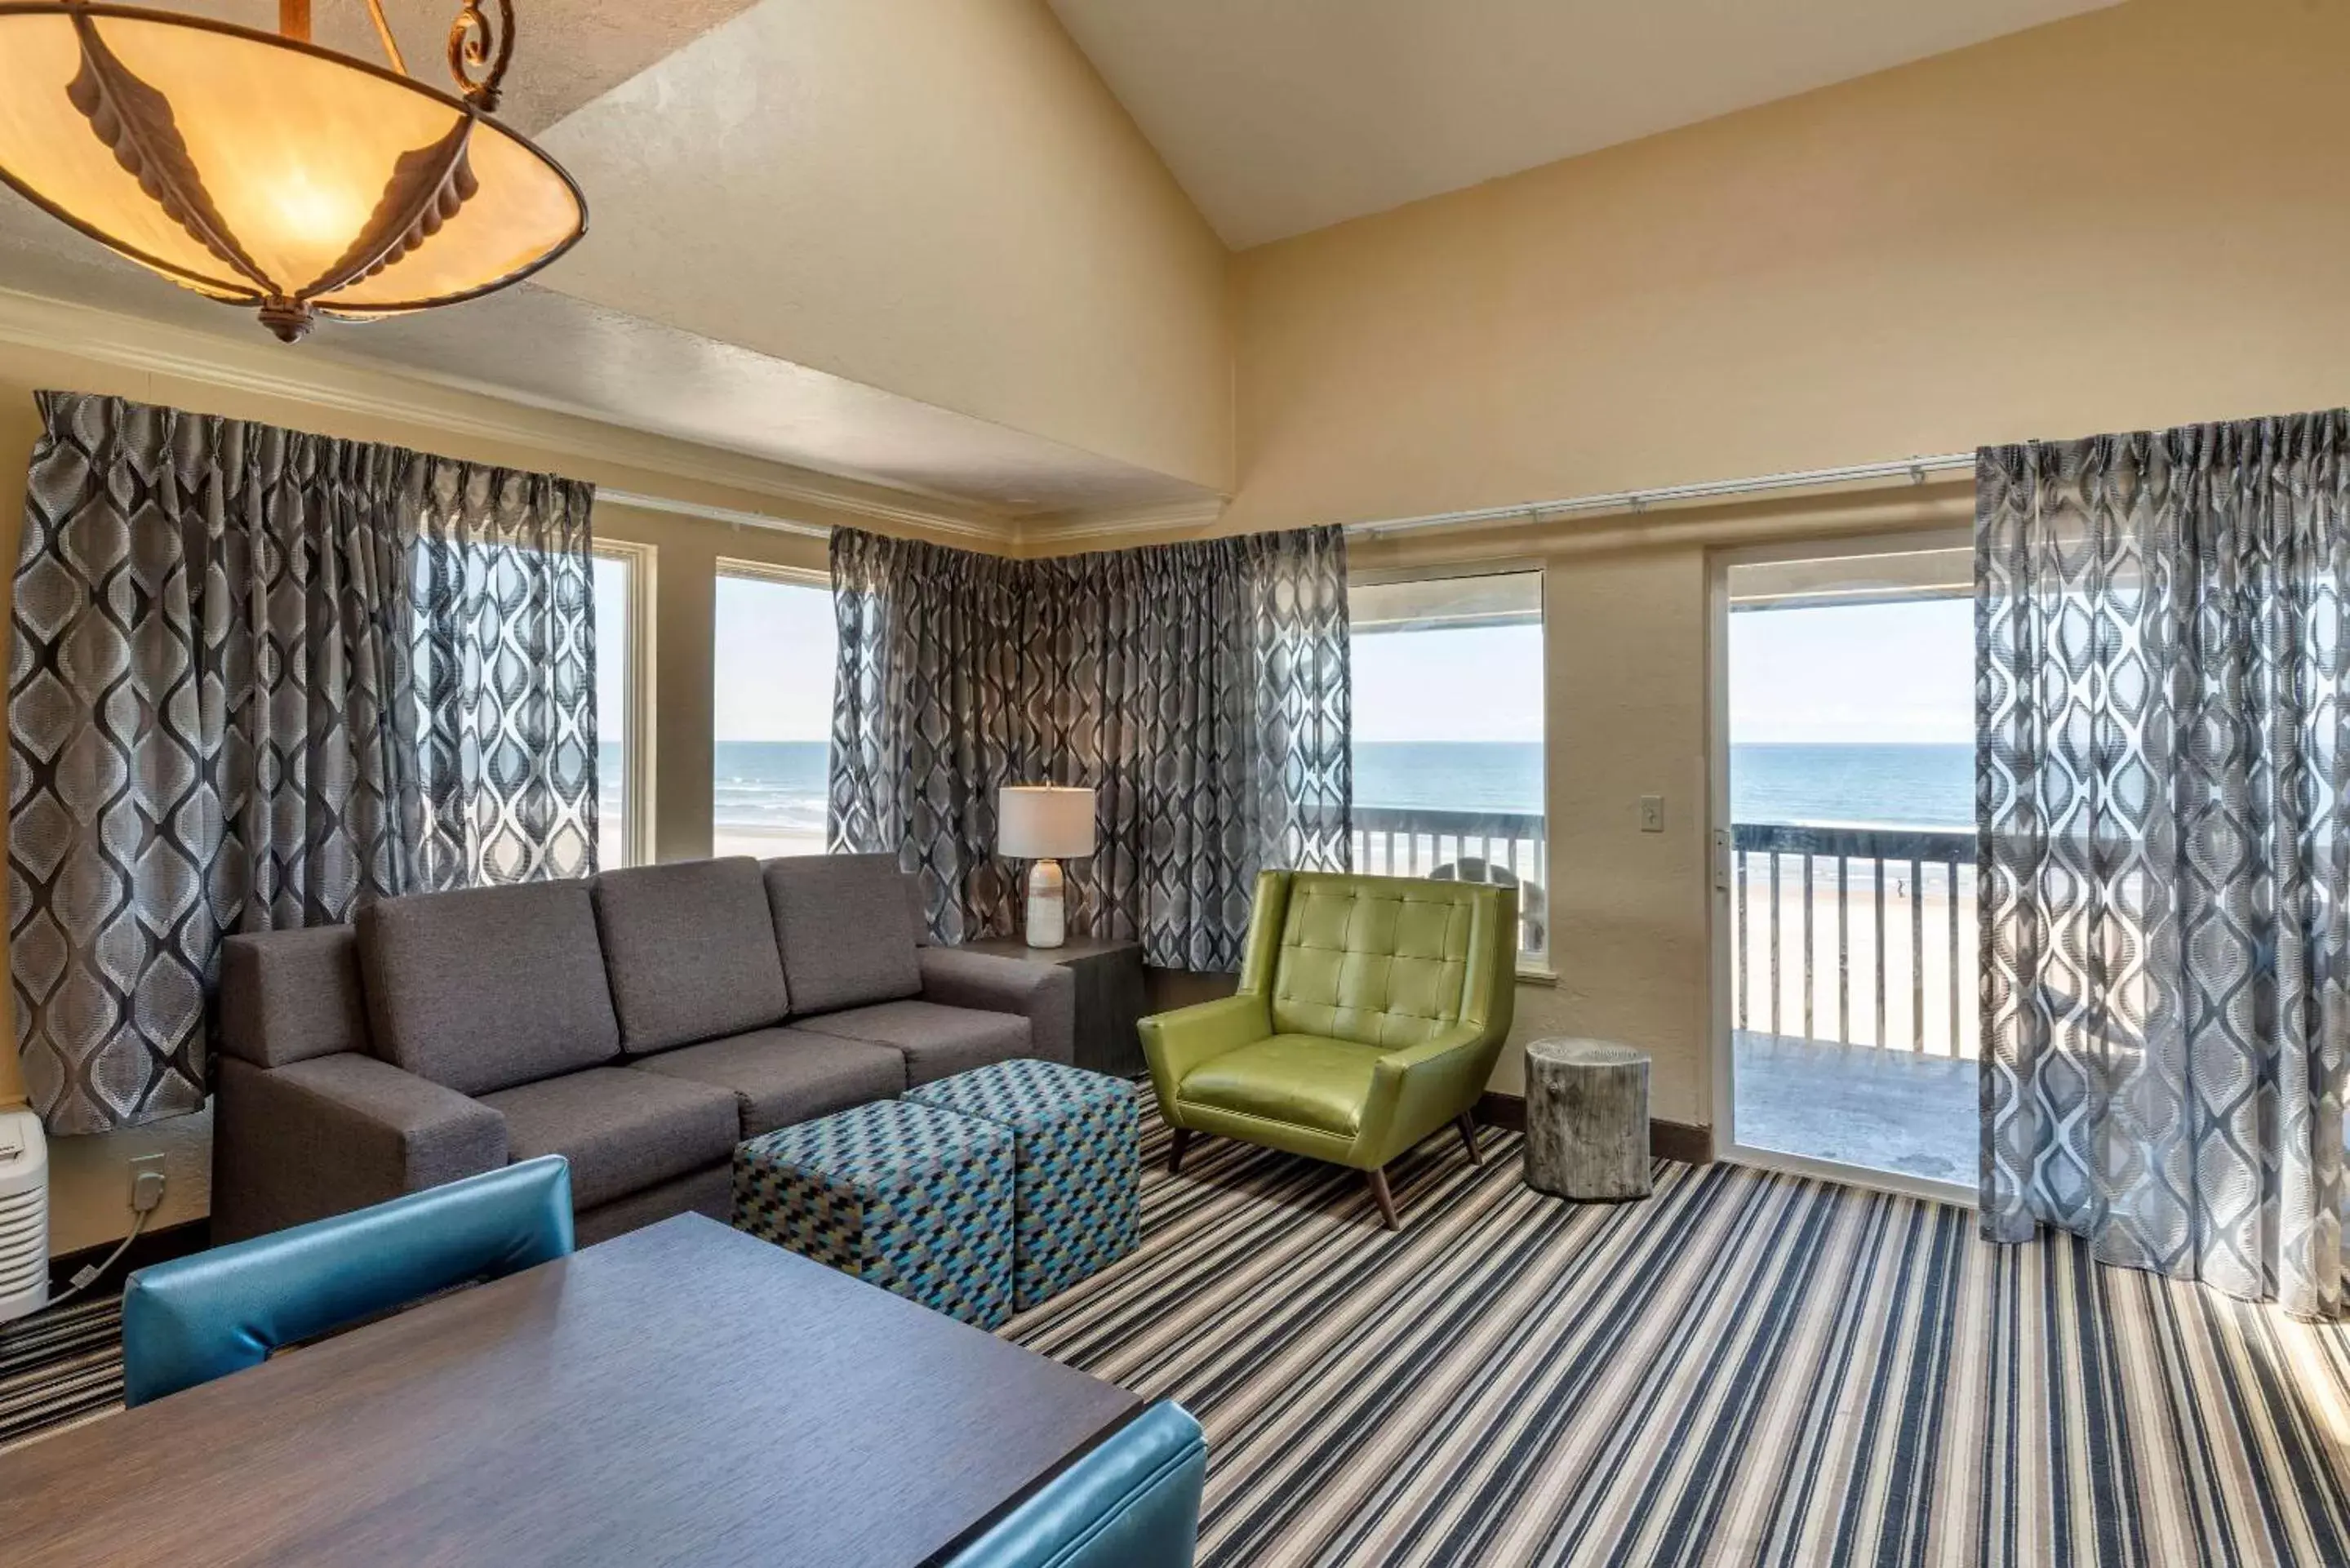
[707,305]
[1281,118]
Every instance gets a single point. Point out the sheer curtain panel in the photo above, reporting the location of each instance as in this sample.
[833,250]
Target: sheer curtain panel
[2162,761]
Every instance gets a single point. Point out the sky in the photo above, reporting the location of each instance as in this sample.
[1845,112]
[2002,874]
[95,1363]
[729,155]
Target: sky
[1480,684]
[772,659]
[1900,672]
[611,633]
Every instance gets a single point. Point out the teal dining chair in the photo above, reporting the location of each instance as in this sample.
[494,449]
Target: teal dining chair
[1130,1502]
[197,1318]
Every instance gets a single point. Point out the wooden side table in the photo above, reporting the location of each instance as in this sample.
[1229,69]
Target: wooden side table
[1109,995]
[1586,1119]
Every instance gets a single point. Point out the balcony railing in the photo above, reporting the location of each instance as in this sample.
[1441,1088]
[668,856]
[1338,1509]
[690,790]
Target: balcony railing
[1856,936]
[1859,936]
[1504,848]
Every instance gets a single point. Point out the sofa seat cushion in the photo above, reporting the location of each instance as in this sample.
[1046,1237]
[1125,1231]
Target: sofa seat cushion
[1304,1079]
[936,1042]
[783,1077]
[845,928]
[690,948]
[488,987]
[621,1130]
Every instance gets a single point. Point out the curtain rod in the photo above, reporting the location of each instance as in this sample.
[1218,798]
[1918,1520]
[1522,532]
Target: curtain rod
[1915,468]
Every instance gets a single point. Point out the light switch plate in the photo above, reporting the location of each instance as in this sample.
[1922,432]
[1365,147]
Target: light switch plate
[1652,814]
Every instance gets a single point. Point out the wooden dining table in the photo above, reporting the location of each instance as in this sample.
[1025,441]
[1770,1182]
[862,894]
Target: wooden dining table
[682,1393]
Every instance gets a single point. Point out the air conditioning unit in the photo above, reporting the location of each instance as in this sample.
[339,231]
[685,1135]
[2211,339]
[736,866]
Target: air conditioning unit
[24,1215]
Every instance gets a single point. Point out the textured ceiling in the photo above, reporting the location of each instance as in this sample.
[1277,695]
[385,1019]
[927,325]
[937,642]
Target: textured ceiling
[566,51]
[1281,118]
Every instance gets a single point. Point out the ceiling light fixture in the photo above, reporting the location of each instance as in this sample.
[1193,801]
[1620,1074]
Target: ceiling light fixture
[265,170]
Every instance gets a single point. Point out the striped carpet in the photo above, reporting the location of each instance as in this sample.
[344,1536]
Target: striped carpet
[60,1368]
[1747,1368]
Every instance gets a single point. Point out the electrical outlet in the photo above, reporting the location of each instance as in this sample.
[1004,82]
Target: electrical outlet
[147,1177]
[1652,814]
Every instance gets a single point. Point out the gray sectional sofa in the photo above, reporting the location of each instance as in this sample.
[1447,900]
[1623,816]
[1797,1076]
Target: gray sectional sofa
[640,1023]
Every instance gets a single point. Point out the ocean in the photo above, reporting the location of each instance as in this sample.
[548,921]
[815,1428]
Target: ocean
[779,786]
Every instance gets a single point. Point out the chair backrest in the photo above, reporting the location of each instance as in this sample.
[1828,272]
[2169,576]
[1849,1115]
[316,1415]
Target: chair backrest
[1131,1501]
[202,1318]
[1383,960]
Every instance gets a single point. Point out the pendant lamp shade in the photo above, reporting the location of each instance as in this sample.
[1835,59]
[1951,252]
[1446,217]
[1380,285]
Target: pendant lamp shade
[266,171]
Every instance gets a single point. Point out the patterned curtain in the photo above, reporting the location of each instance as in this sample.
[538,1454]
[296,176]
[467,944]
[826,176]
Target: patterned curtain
[928,720]
[260,678]
[1200,690]
[2162,761]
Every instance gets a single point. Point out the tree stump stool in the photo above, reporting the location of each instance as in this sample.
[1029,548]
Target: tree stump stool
[1586,1119]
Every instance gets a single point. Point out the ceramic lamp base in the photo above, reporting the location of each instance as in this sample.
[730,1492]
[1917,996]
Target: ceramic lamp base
[1047,918]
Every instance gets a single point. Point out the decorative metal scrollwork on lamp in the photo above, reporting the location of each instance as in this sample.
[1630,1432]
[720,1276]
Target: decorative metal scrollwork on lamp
[265,171]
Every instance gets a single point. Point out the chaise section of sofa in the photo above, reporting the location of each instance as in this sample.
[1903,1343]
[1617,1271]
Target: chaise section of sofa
[640,1023]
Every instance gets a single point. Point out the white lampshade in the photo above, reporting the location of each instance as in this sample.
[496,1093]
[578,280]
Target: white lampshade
[1044,822]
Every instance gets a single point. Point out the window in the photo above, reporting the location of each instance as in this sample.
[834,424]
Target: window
[1448,712]
[623,685]
[771,710]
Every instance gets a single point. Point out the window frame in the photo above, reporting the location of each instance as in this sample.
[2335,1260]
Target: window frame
[1533,967]
[637,738]
[772,572]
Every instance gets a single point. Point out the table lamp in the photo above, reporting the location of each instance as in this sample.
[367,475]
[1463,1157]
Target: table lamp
[1045,823]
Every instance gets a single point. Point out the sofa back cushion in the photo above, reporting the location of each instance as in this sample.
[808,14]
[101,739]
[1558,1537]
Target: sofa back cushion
[1382,961]
[489,987]
[691,951]
[842,923]
[287,996]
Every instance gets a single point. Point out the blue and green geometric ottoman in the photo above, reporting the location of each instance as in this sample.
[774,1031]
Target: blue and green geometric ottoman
[1078,1195]
[916,1200]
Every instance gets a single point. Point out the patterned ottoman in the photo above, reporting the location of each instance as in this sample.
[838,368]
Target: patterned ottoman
[916,1200]
[1078,1204]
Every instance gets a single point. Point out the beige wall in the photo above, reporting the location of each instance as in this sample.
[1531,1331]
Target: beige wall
[941,199]
[90,1189]
[2132,219]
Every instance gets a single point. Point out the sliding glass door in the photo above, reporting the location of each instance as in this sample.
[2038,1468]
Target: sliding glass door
[1845,884]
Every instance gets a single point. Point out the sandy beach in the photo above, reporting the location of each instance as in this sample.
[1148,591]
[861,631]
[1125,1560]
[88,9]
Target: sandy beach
[734,838]
[765,843]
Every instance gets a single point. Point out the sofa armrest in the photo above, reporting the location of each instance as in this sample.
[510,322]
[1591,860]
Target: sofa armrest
[1043,993]
[1419,1088]
[1176,1044]
[336,1133]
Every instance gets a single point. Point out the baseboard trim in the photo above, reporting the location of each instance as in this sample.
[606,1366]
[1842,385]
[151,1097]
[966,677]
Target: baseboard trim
[152,1246]
[1683,1141]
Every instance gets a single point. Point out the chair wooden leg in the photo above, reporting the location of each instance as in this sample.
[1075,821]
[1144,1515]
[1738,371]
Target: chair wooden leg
[1378,1181]
[1468,1126]
[1175,1153]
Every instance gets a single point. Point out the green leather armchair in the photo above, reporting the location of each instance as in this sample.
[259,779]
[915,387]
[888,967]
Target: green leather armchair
[1369,1014]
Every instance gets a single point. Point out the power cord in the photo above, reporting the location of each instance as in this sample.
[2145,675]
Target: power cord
[146,1197]
[88,1274]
